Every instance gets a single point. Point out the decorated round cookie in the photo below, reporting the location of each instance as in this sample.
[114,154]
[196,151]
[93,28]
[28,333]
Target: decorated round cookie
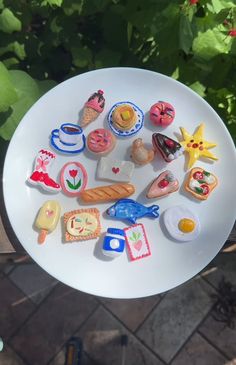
[73,178]
[101,141]
[162,114]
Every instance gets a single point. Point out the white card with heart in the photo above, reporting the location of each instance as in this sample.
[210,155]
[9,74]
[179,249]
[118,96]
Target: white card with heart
[115,170]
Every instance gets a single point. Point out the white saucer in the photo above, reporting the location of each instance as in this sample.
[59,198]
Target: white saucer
[60,146]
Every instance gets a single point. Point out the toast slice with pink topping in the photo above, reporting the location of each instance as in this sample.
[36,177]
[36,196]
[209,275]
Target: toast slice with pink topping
[163,185]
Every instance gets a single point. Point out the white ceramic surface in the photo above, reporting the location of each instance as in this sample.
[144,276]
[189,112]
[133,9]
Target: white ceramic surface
[82,265]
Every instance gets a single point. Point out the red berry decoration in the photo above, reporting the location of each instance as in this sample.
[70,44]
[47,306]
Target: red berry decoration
[169,143]
[193,2]
[198,175]
[232,32]
[205,189]
[163,183]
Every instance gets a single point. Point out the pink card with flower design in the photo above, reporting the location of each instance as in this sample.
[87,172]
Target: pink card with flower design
[73,178]
[137,243]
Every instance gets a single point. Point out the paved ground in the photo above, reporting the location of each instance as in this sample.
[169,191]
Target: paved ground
[38,315]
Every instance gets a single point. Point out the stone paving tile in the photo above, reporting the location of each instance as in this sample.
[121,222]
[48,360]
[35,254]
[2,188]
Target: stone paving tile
[59,359]
[198,351]
[131,312]
[33,281]
[231,362]
[222,336]
[58,317]
[15,307]
[9,357]
[176,317]
[223,266]
[101,336]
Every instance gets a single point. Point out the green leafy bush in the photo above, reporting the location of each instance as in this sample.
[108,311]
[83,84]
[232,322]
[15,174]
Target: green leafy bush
[45,42]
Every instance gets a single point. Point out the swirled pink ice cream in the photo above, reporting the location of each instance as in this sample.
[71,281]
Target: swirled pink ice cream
[93,107]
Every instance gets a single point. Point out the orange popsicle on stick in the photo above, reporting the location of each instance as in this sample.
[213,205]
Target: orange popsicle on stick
[47,219]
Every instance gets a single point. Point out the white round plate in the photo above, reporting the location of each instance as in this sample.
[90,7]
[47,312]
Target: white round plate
[81,264]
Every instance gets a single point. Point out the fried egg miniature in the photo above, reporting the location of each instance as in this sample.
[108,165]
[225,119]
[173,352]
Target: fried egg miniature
[181,223]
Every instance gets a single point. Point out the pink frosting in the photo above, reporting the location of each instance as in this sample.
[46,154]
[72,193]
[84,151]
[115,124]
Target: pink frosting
[99,140]
[96,101]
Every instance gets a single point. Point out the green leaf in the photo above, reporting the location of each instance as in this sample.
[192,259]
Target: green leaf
[81,56]
[15,47]
[198,88]
[107,58]
[8,21]
[8,94]
[185,34]
[211,43]
[129,32]
[71,186]
[77,186]
[52,2]
[206,173]
[28,93]
[199,190]
[45,85]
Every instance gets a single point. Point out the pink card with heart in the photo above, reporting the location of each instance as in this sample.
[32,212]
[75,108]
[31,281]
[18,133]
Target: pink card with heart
[137,243]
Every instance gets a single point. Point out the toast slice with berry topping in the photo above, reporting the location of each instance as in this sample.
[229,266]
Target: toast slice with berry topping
[163,185]
[200,183]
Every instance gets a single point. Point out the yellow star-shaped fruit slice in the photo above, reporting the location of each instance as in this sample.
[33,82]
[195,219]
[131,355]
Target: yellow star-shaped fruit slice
[196,146]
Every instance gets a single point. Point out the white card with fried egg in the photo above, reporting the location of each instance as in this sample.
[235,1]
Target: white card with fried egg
[181,223]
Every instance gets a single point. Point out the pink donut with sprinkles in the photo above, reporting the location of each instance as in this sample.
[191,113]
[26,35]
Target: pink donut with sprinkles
[101,141]
[162,114]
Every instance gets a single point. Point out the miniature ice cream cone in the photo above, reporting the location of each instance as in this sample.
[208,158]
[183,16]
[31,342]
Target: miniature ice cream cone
[89,115]
[92,108]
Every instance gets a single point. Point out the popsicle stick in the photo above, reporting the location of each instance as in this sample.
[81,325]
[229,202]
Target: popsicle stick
[42,236]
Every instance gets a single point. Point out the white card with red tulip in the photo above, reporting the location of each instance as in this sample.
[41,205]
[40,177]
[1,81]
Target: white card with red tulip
[137,243]
[73,178]
[115,170]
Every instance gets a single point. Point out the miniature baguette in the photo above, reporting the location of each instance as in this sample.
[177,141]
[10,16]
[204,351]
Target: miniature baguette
[107,193]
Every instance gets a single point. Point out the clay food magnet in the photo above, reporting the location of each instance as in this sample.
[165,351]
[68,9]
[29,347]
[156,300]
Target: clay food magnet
[101,141]
[125,119]
[200,183]
[47,219]
[73,178]
[40,175]
[82,224]
[69,138]
[130,210]
[137,243]
[140,154]
[107,193]
[162,114]
[196,146]
[114,242]
[168,147]
[93,108]
[164,184]
[181,223]
[116,170]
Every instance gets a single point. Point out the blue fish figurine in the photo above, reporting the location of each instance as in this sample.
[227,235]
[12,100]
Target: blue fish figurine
[131,210]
